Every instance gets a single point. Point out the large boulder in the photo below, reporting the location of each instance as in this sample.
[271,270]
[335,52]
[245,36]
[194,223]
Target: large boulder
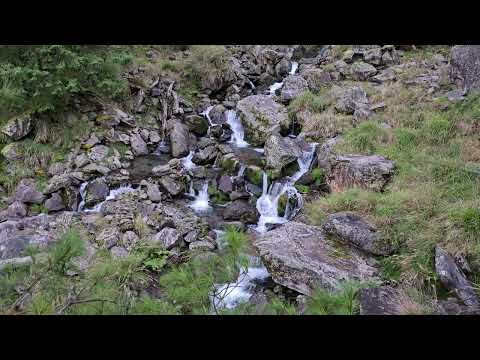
[316,78]
[241,210]
[352,229]
[12,152]
[293,86]
[366,172]
[362,71]
[465,66]
[350,99]
[197,124]
[139,146]
[172,186]
[454,279]
[261,116]
[18,127]
[299,256]
[96,191]
[167,238]
[26,192]
[281,151]
[55,203]
[179,139]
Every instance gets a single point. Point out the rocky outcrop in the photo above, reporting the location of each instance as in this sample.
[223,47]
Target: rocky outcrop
[179,139]
[362,71]
[168,238]
[139,147]
[453,278]
[26,192]
[18,127]
[241,210]
[55,203]
[350,99]
[316,78]
[293,86]
[366,172]
[96,191]
[465,66]
[261,116]
[281,151]
[352,229]
[300,257]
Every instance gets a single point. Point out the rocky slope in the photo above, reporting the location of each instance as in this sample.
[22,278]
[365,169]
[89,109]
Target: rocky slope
[250,151]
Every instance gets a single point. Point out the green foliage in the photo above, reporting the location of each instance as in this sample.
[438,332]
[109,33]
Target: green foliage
[308,101]
[69,245]
[46,77]
[365,138]
[339,302]
[303,189]
[207,61]
[437,130]
[318,176]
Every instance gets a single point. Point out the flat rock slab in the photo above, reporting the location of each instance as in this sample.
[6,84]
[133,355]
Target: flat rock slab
[300,257]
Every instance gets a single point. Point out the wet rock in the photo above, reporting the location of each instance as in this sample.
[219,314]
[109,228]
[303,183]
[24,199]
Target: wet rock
[241,210]
[168,238]
[298,256]
[350,99]
[173,187]
[26,192]
[465,66]
[453,278]
[261,116]
[352,229]
[55,203]
[179,139]
[293,86]
[197,124]
[96,191]
[280,151]
[205,156]
[217,114]
[139,147]
[18,127]
[362,71]
[225,184]
[366,172]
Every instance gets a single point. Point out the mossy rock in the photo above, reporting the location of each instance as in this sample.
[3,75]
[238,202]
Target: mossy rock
[254,175]
[302,189]
[229,163]
[217,197]
[290,169]
[274,174]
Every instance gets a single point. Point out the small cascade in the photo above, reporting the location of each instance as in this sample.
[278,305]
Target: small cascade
[82,190]
[237,128]
[206,113]
[187,161]
[241,171]
[273,88]
[294,68]
[202,201]
[267,204]
[112,195]
[162,148]
[230,295]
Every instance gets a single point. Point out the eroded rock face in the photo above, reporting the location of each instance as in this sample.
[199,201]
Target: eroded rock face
[353,229]
[300,257]
[465,66]
[139,147]
[453,278]
[18,127]
[261,116]
[366,172]
[350,99]
[281,151]
[316,78]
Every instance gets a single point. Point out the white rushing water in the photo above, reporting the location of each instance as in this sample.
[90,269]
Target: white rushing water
[162,148]
[230,295]
[238,133]
[267,204]
[202,201]
[273,88]
[206,113]
[294,68]
[112,195]
[187,161]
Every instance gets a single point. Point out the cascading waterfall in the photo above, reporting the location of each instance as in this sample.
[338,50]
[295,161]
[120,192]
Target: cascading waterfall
[206,113]
[237,128]
[202,201]
[112,195]
[273,88]
[267,204]
[231,294]
[187,161]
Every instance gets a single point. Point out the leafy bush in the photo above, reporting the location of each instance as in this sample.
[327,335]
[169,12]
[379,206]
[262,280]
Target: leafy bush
[45,77]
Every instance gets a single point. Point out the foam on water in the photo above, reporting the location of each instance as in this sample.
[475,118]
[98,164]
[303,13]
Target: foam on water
[112,195]
[294,68]
[206,113]
[187,161]
[273,88]
[238,133]
[201,202]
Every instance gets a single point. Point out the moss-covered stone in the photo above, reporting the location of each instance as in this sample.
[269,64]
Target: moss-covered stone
[217,197]
[229,163]
[254,175]
[290,169]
